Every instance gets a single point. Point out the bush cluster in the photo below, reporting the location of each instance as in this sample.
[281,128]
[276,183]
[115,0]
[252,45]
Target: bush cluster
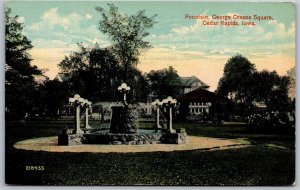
[272,119]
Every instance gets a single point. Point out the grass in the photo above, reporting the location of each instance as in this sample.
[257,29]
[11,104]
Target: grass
[269,161]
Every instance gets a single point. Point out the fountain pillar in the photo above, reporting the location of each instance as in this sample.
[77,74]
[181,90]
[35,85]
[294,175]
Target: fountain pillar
[77,128]
[87,126]
[123,117]
[78,102]
[157,103]
[170,127]
[169,103]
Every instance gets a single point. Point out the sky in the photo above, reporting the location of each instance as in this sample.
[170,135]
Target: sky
[188,45]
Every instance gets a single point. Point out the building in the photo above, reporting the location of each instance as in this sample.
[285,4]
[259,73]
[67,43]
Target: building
[192,83]
[202,102]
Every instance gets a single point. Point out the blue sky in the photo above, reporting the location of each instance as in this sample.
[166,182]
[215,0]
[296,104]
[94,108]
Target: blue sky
[191,48]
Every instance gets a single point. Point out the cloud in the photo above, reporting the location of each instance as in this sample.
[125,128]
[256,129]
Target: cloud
[36,27]
[67,44]
[89,35]
[21,19]
[102,42]
[280,31]
[182,30]
[92,30]
[50,43]
[292,30]
[88,16]
[224,51]
[65,31]
[171,53]
[260,54]
[51,19]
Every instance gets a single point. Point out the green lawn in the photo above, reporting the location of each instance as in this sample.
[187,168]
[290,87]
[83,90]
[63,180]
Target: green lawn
[269,161]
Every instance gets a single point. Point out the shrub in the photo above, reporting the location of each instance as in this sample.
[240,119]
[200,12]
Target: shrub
[272,119]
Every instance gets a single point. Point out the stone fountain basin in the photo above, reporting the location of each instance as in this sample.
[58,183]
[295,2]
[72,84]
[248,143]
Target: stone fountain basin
[142,136]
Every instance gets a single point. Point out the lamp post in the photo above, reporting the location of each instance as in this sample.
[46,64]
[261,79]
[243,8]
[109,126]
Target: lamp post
[78,102]
[169,103]
[157,103]
[87,105]
[124,89]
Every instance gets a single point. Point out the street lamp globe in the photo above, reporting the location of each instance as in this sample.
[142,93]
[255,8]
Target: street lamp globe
[76,96]
[123,85]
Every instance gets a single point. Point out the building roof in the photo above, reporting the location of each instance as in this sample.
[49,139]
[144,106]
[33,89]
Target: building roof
[62,77]
[188,81]
[201,94]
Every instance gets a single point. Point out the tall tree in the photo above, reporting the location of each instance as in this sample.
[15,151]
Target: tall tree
[93,73]
[237,80]
[106,73]
[245,86]
[20,86]
[127,34]
[165,82]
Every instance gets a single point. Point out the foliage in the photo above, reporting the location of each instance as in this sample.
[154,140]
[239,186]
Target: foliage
[270,88]
[127,34]
[20,86]
[95,74]
[76,61]
[237,79]
[92,73]
[272,119]
[54,96]
[164,83]
[242,83]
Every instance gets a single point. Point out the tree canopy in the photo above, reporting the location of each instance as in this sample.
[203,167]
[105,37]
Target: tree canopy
[237,78]
[127,34]
[20,86]
[97,72]
[164,83]
[92,72]
[242,83]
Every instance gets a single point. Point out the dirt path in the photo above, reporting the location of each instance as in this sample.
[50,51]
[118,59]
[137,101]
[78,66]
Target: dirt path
[50,144]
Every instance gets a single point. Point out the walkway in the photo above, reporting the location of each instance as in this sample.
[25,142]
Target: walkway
[50,144]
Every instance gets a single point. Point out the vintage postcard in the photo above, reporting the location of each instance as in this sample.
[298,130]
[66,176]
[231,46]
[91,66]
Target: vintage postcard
[150,93]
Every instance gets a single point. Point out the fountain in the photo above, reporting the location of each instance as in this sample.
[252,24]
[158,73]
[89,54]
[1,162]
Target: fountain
[123,126]
[123,116]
